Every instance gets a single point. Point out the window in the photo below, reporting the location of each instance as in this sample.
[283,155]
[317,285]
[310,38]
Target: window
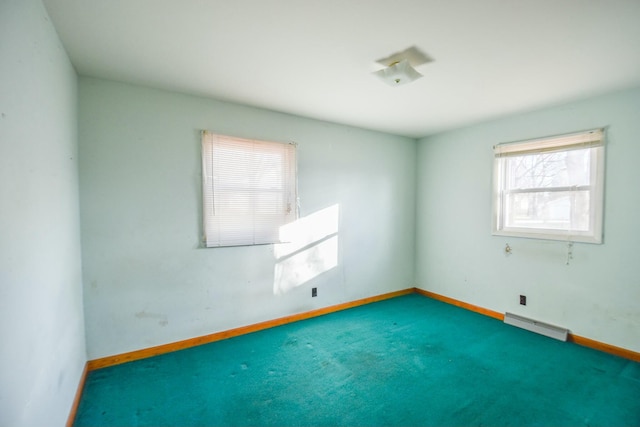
[249,189]
[550,188]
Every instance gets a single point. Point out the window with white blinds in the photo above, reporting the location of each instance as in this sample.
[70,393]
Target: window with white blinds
[550,188]
[249,189]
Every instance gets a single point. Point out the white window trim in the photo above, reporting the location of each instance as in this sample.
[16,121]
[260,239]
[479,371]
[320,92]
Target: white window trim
[594,139]
[260,229]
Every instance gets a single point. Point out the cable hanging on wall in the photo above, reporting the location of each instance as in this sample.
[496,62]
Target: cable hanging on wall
[569,253]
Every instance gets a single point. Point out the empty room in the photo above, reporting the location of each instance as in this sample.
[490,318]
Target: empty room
[287,212]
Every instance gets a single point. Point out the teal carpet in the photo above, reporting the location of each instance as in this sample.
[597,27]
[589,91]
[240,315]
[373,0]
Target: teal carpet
[408,361]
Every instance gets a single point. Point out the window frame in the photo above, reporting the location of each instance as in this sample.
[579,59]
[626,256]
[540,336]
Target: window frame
[235,209]
[593,140]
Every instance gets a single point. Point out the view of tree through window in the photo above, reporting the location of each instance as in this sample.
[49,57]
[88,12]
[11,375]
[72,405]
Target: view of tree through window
[549,190]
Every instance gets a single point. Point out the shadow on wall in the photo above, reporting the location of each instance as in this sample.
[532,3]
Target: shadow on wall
[311,249]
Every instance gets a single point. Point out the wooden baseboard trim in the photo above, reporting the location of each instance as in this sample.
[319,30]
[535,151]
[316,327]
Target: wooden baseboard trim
[205,339]
[457,303]
[76,399]
[604,347]
[576,339]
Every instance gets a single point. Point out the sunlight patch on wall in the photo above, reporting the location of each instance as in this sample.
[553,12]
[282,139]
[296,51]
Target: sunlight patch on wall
[311,249]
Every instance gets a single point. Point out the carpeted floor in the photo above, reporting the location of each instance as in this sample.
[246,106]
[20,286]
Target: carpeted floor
[408,361]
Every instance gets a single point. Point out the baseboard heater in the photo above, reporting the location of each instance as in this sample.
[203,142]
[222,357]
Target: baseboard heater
[535,326]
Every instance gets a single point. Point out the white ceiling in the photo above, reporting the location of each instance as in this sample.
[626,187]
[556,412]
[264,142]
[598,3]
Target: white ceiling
[314,58]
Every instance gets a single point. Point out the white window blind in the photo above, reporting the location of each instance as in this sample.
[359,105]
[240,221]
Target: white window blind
[550,188]
[249,189]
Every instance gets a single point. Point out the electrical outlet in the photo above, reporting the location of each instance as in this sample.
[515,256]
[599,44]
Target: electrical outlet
[523,300]
[314,292]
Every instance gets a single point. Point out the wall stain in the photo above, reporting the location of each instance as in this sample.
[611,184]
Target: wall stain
[162,318]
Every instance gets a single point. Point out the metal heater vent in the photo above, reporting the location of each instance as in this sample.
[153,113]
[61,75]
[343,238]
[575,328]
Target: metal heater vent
[537,327]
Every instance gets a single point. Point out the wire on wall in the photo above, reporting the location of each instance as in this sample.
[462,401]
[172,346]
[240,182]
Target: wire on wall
[569,253]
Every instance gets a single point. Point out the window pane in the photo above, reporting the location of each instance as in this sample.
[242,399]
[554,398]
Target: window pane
[270,171]
[544,170]
[269,203]
[558,210]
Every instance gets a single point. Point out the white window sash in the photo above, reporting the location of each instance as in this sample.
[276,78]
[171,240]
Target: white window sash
[548,189]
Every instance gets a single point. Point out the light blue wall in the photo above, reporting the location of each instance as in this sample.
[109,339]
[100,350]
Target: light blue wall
[597,294]
[147,281]
[41,319]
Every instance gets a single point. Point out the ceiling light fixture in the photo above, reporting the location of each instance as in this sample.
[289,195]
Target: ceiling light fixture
[398,73]
[399,66]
